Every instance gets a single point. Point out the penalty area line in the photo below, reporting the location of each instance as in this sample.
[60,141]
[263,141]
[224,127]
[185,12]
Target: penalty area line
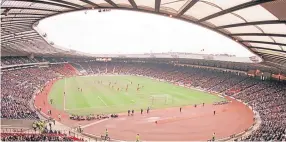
[65,95]
[102,100]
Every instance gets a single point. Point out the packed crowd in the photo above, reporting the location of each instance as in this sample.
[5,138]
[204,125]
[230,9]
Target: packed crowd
[221,103]
[18,87]
[35,137]
[43,131]
[89,117]
[20,60]
[208,63]
[267,97]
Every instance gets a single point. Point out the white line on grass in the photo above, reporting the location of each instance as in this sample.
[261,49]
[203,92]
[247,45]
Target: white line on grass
[65,95]
[102,100]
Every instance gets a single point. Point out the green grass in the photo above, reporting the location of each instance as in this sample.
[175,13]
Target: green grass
[101,98]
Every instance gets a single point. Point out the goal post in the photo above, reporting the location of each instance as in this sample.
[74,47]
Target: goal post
[162,99]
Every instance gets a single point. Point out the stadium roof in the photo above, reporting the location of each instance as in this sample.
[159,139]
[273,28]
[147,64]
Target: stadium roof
[259,25]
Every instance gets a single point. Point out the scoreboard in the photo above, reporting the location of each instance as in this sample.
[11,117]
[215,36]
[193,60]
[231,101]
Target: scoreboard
[103,59]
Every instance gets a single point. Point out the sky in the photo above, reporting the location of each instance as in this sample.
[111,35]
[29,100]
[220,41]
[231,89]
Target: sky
[129,32]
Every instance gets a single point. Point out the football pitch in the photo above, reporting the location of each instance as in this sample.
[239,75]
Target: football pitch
[110,94]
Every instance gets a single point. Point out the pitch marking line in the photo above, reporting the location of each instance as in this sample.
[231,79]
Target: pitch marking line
[65,95]
[102,100]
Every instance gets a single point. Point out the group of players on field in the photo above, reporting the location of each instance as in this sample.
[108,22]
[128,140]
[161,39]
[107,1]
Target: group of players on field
[130,112]
[113,86]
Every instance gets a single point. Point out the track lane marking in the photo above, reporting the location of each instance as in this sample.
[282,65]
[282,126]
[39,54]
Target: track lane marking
[90,124]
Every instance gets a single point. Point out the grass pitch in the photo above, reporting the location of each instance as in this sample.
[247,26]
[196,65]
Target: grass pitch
[108,94]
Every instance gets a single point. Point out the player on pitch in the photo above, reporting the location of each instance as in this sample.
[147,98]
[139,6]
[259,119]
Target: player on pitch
[126,88]
[59,116]
[213,138]
[137,138]
[106,133]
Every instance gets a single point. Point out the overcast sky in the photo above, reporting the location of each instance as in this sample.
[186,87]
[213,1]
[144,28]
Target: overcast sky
[120,31]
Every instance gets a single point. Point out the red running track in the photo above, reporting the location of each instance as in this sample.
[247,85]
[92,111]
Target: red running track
[192,124]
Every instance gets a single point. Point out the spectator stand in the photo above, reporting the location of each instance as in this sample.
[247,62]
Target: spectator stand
[37,131]
[267,97]
[36,136]
[80,69]
[247,132]
[63,129]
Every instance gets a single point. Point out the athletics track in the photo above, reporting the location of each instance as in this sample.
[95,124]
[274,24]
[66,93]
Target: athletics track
[192,124]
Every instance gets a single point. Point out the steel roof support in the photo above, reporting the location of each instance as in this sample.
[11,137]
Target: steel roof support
[111,3]
[252,23]
[133,3]
[186,7]
[270,49]
[263,42]
[90,3]
[257,34]
[235,8]
[157,5]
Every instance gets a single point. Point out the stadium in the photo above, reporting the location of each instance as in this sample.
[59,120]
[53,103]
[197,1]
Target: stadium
[56,92]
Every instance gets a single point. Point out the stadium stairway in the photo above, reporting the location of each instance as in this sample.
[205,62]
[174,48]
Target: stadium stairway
[72,69]
[79,68]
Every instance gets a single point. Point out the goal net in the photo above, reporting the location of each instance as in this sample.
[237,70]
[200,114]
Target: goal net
[163,99]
